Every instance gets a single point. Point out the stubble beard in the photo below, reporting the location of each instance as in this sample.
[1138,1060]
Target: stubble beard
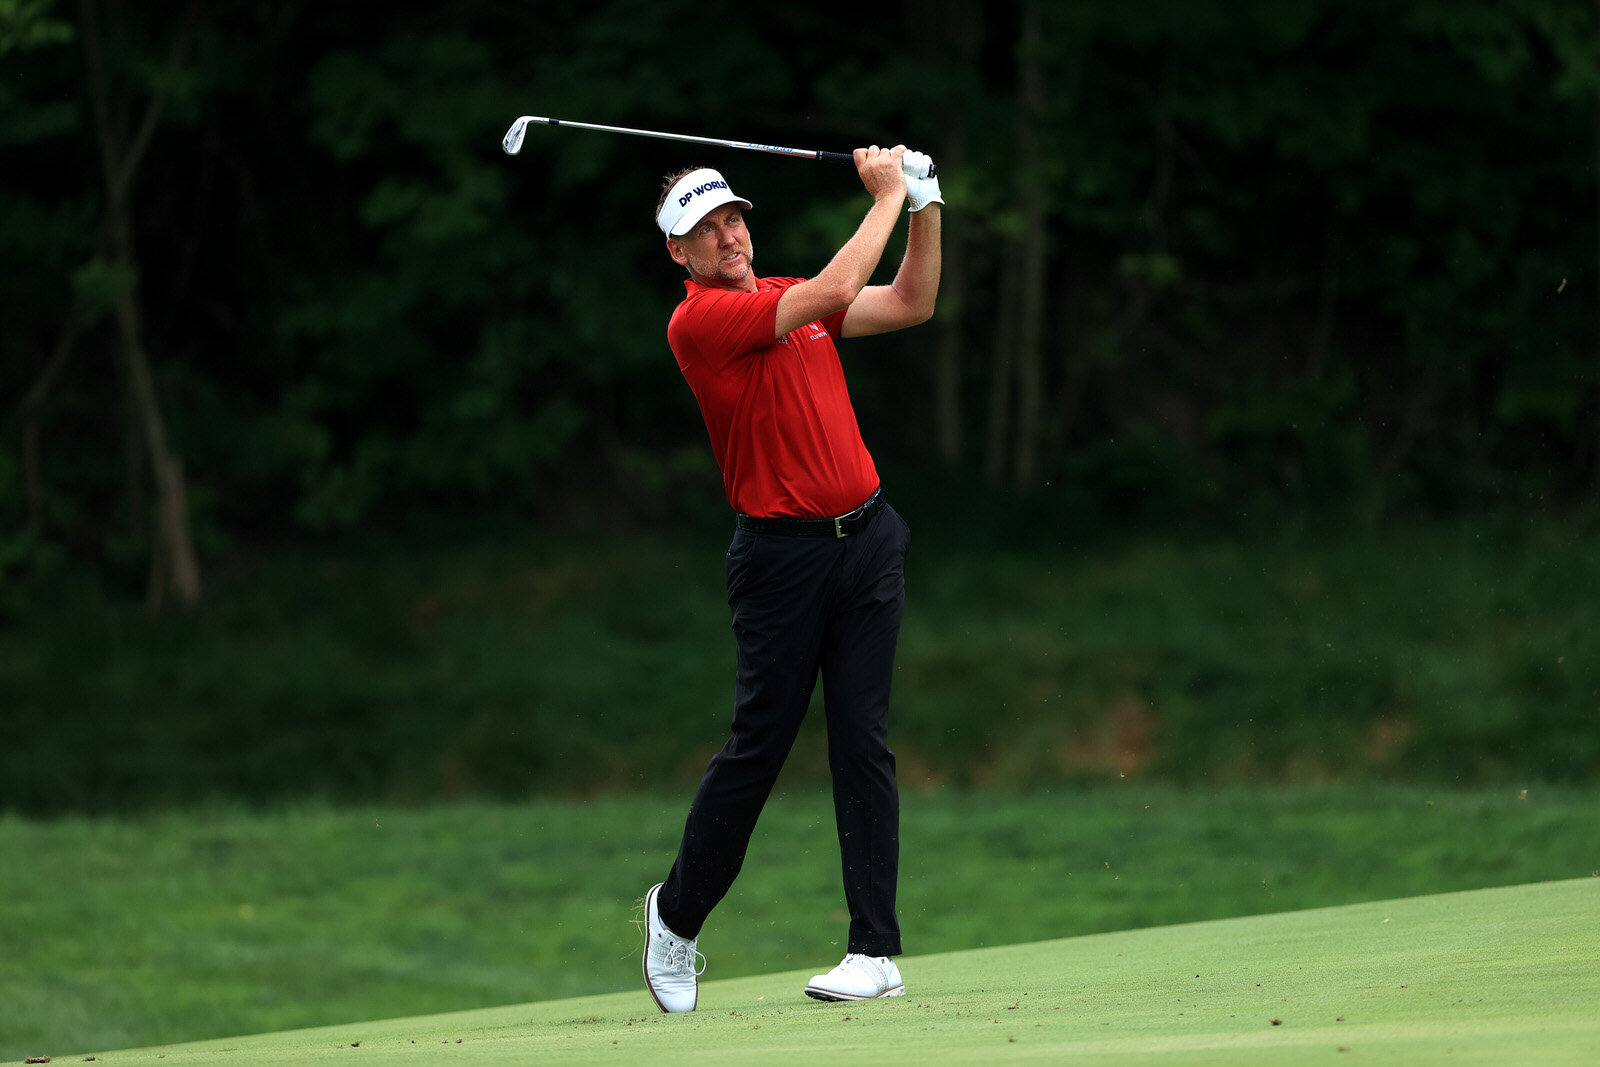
[728,274]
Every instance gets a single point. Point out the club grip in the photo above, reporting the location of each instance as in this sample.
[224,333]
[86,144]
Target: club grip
[846,157]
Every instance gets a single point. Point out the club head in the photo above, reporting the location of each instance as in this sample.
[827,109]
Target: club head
[512,142]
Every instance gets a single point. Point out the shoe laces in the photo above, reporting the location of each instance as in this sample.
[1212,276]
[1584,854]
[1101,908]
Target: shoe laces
[872,965]
[680,958]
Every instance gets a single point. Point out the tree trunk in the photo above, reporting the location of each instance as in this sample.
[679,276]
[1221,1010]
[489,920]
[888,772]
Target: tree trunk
[1328,296]
[174,567]
[947,37]
[948,339]
[1412,420]
[1030,326]
[32,404]
[1002,366]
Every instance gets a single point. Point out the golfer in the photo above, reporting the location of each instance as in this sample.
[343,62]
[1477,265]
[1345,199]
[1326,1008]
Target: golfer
[815,572]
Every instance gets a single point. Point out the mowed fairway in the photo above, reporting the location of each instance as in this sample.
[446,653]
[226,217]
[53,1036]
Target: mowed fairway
[1497,976]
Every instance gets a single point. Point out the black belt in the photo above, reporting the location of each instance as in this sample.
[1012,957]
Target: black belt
[839,526]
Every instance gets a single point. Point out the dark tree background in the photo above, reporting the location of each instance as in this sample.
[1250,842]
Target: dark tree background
[268,273]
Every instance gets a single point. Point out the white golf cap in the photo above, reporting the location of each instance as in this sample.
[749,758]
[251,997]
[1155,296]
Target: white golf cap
[688,201]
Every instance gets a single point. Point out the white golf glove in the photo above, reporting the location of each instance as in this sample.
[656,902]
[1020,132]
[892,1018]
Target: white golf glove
[921,190]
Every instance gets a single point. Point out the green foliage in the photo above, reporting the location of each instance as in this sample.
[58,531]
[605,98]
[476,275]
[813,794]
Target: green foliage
[1294,254]
[1304,269]
[28,24]
[100,284]
[26,557]
[1303,431]
[547,668]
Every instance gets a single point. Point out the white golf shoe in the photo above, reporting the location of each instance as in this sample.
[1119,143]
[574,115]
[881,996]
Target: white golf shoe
[669,962]
[859,977]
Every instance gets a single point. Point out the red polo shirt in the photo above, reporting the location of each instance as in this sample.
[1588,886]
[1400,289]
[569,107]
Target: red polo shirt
[778,413]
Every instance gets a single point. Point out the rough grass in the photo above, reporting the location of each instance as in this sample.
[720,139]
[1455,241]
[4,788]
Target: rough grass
[1446,655]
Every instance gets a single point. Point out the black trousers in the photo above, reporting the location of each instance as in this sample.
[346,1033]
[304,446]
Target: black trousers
[804,606]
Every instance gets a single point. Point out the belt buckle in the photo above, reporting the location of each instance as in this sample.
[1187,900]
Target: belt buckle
[838,529]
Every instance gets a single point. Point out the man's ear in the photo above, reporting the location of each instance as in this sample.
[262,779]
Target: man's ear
[675,250]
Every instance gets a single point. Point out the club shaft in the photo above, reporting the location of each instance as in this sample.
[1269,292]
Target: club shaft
[804,153]
[513,140]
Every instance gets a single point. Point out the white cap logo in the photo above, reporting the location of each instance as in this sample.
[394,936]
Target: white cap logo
[688,201]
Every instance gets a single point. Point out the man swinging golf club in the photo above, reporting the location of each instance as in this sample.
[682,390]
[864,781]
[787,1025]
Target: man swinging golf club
[815,572]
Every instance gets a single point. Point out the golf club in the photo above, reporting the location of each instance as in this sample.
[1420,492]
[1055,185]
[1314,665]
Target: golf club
[512,142]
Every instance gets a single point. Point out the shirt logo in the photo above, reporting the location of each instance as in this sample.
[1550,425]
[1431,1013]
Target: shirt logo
[816,333]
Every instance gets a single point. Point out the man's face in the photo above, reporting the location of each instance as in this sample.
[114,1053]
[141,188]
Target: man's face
[717,249]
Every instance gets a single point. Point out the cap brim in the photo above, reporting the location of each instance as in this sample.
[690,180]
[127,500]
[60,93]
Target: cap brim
[705,207]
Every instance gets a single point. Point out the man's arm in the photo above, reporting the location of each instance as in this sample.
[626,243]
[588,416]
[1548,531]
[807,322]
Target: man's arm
[910,298]
[842,281]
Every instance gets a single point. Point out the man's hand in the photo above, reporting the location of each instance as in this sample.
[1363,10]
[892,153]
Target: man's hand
[881,172]
[920,191]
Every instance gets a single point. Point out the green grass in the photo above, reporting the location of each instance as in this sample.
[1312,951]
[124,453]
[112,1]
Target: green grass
[1489,977]
[185,925]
